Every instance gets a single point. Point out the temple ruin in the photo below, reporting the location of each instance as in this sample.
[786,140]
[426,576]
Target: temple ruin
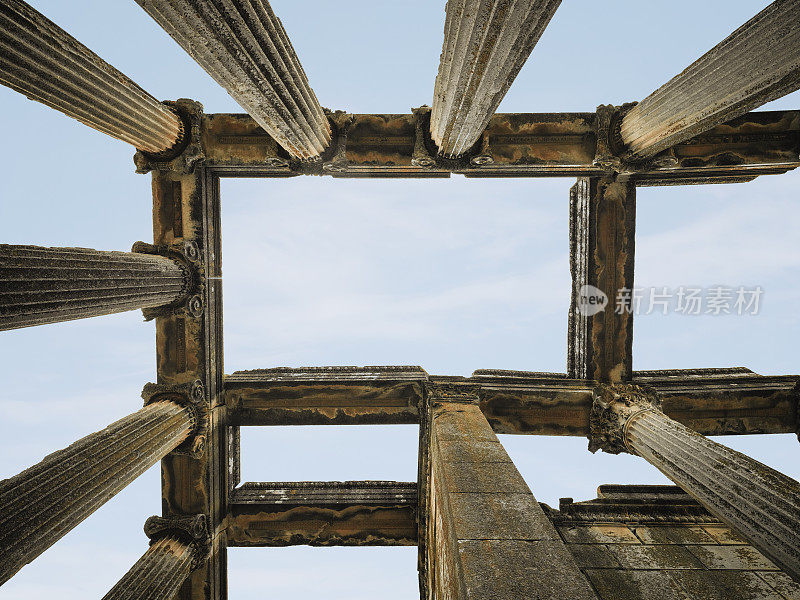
[730,528]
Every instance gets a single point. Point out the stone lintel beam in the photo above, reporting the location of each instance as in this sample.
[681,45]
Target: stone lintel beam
[50,285]
[709,401]
[46,501]
[46,64]
[485,46]
[602,227]
[758,62]
[243,46]
[758,502]
[178,546]
[325,513]
[325,395]
[519,145]
[485,535]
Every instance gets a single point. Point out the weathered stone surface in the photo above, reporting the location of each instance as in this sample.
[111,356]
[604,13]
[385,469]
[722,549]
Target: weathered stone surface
[613,408]
[598,534]
[243,46]
[44,62]
[685,535]
[186,209]
[325,395]
[711,401]
[732,557]
[724,535]
[485,46]
[326,513]
[760,503]
[521,145]
[514,569]
[483,539]
[602,239]
[724,585]
[158,574]
[613,584]
[50,285]
[46,501]
[178,546]
[758,62]
[678,559]
[594,556]
[662,556]
[727,483]
[782,584]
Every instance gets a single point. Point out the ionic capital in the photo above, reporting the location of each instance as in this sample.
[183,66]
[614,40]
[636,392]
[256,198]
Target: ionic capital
[192,396]
[189,257]
[613,406]
[191,529]
[187,152]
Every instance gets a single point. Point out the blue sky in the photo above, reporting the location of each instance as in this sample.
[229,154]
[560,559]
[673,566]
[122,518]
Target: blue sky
[452,275]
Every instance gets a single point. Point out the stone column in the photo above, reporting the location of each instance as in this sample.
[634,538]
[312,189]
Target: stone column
[50,285]
[243,46]
[485,45]
[757,63]
[602,238]
[44,62]
[760,503]
[484,533]
[178,546]
[43,503]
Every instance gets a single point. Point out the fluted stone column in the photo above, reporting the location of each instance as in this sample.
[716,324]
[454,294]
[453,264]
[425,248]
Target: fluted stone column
[485,45]
[50,285]
[44,62]
[43,503]
[243,46]
[178,546]
[760,503]
[757,63]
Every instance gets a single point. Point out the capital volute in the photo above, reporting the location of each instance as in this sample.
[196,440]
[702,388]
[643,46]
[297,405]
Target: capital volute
[613,406]
[188,151]
[189,258]
[192,395]
[190,529]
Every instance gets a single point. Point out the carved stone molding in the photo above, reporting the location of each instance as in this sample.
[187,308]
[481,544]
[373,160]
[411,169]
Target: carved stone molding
[193,396]
[188,255]
[452,393]
[187,152]
[191,529]
[341,123]
[421,156]
[610,152]
[612,409]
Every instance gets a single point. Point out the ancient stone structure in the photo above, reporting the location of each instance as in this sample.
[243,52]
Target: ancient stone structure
[244,47]
[653,541]
[49,285]
[42,61]
[729,531]
[485,46]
